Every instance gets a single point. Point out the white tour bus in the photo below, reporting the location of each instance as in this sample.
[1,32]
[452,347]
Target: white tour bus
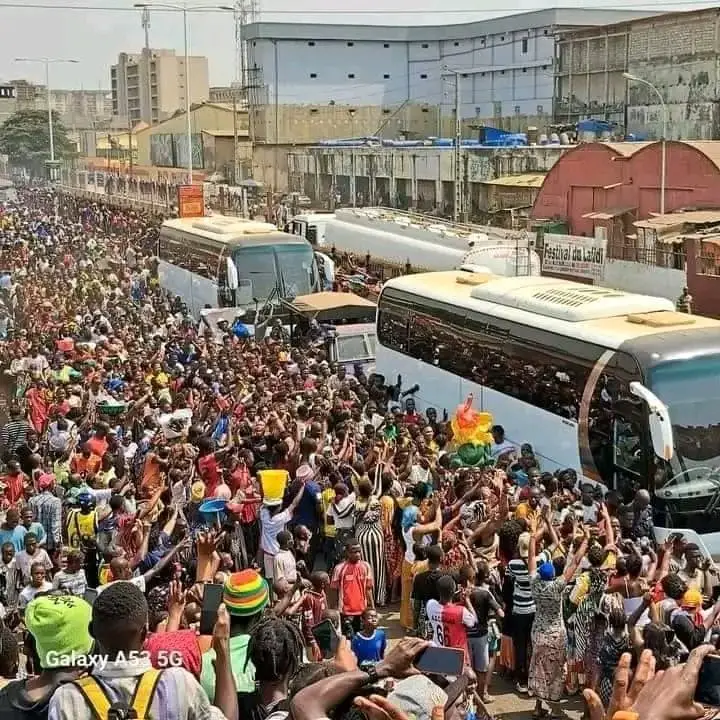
[220,261]
[618,386]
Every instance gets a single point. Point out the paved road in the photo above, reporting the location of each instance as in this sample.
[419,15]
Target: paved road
[508,704]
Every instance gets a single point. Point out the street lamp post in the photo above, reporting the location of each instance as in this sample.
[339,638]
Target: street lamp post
[46,62]
[663,148]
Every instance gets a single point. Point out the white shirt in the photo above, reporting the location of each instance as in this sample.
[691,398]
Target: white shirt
[284,566]
[270,526]
[138,581]
[28,593]
[435,616]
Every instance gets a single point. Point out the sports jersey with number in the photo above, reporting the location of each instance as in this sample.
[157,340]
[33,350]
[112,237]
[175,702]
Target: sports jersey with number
[449,625]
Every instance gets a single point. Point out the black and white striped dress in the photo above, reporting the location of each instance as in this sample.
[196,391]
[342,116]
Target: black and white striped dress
[369,534]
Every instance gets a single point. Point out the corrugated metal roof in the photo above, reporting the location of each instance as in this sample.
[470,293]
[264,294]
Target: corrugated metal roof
[529,180]
[627,148]
[709,148]
[226,133]
[691,217]
[609,213]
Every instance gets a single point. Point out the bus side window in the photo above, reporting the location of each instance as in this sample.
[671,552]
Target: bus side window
[393,324]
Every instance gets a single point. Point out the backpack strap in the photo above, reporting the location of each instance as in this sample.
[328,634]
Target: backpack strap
[95,695]
[144,693]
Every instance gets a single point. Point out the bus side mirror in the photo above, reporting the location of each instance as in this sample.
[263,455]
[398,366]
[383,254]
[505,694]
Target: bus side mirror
[661,432]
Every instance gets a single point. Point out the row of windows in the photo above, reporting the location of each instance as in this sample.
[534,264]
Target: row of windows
[425,46]
[181,253]
[548,371]
[535,366]
[424,76]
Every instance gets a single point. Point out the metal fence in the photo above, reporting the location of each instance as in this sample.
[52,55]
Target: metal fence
[667,256]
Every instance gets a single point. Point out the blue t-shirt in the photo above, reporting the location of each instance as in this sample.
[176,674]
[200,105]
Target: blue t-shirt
[369,650]
[16,536]
[307,509]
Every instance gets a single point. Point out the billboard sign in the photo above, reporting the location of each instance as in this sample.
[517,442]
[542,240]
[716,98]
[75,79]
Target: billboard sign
[574,255]
[191,201]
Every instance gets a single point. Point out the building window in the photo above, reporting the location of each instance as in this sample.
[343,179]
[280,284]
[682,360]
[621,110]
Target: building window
[464,75]
[350,44]
[425,110]
[545,32]
[313,111]
[524,45]
[386,76]
[351,75]
[311,43]
[387,45]
[502,38]
[482,40]
[524,69]
[313,75]
[502,72]
[456,44]
[482,74]
[386,111]
[544,67]
[540,109]
[423,76]
[517,109]
[425,45]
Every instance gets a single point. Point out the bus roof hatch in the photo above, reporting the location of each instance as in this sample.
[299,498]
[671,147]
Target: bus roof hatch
[566,300]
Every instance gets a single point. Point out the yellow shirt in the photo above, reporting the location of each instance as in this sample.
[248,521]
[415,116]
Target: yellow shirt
[524,512]
[328,496]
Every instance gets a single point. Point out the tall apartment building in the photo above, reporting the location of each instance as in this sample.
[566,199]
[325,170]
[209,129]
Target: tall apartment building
[151,85]
[76,108]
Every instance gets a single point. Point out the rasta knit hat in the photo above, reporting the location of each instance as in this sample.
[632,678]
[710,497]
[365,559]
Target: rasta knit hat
[246,593]
[60,625]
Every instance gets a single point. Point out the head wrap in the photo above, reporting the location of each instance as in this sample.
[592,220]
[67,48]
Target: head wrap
[692,602]
[546,571]
[246,593]
[409,517]
[160,645]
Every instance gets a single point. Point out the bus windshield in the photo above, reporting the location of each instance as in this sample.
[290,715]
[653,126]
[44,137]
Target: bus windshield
[265,265]
[691,391]
[257,265]
[297,269]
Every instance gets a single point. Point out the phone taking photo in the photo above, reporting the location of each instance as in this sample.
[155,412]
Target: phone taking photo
[327,638]
[707,691]
[212,598]
[440,661]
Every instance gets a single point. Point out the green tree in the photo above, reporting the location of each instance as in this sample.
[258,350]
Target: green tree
[25,139]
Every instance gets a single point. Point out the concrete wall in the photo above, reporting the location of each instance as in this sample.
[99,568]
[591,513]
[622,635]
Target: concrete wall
[589,81]
[645,279]
[421,177]
[205,117]
[508,72]
[678,53]
[306,124]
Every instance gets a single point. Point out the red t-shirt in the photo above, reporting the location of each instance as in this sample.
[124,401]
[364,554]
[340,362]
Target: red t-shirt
[98,446]
[209,473]
[352,581]
[450,623]
[313,609]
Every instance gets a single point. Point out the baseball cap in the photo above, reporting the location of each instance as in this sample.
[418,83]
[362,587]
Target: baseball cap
[60,625]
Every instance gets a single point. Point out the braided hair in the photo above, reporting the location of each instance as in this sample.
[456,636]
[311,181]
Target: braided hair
[275,649]
[508,536]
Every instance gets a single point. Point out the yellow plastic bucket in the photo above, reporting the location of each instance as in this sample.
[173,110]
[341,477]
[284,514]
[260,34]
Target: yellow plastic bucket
[273,483]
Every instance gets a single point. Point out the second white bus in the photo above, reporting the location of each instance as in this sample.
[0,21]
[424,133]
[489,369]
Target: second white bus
[618,386]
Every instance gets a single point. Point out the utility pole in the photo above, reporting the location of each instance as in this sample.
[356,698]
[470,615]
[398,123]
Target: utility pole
[458,175]
[145,22]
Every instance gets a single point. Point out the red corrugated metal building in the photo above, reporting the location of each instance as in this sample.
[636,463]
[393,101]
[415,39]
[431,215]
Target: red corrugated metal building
[615,178]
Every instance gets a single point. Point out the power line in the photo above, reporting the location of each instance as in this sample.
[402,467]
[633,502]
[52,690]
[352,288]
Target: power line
[400,11]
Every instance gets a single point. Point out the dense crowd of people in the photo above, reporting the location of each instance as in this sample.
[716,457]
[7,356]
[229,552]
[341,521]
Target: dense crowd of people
[209,526]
